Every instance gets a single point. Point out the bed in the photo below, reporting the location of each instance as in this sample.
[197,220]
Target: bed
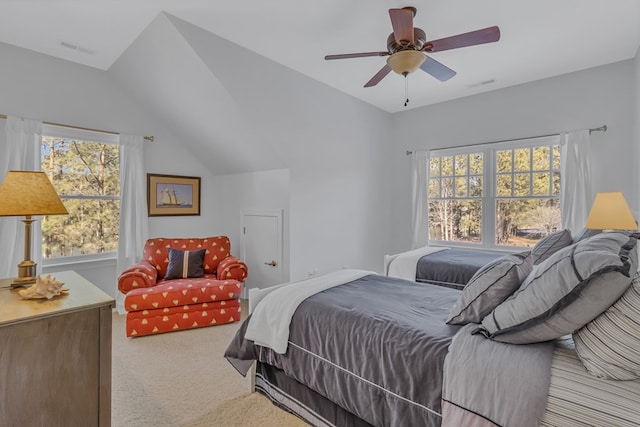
[354,348]
[450,267]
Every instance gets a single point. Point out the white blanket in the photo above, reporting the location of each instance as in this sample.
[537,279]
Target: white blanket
[270,319]
[403,266]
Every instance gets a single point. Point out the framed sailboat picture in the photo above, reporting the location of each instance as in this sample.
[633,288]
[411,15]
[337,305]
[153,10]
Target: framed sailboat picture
[171,195]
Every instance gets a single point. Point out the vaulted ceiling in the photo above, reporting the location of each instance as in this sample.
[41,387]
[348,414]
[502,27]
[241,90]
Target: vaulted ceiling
[538,39]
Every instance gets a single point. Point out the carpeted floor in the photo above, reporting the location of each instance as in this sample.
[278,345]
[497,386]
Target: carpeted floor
[181,379]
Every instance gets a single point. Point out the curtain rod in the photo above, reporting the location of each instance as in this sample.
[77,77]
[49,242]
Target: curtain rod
[602,128]
[148,138]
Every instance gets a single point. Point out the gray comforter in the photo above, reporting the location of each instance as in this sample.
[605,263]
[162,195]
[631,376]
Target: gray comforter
[488,383]
[375,346]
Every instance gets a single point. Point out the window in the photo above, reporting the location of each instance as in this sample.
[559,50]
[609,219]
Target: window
[504,194]
[84,168]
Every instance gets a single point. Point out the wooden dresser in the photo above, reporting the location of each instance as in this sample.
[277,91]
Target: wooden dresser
[55,356]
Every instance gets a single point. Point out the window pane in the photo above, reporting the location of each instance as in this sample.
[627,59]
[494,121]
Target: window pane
[522,184]
[475,164]
[541,158]
[87,170]
[447,166]
[522,222]
[522,159]
[81,167]
[455,220]
[434,187]
[434,166]
[91,227]
[461,165]
[447,187]
[503,160]
[556,157]
[475,186]
[461,187]
[556,183]
[541,184]
[503,184]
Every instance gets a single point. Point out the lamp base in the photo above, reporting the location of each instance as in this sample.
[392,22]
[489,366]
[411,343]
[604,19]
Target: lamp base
[26,274]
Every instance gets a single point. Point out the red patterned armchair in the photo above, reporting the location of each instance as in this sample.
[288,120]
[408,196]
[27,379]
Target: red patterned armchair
[182,284]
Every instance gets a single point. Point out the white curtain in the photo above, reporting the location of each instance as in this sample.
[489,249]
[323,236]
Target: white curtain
[20,148]
[575,173]
[134,228]
[419,209]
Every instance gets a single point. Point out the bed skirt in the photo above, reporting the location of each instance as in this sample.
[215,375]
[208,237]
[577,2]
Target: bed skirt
[298,399]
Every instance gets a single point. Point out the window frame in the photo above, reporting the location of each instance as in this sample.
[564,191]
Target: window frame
[56,131]
[489,179]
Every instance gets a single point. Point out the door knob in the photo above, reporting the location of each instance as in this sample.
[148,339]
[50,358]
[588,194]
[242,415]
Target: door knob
[272,263]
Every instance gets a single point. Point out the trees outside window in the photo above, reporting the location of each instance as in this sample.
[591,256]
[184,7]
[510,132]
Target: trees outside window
[495,195]
[86,175]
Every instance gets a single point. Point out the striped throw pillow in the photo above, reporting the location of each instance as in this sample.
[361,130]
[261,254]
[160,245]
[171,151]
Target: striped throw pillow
[185,264]
[609,345]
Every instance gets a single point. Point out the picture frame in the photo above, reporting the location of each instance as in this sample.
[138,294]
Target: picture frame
[173,195]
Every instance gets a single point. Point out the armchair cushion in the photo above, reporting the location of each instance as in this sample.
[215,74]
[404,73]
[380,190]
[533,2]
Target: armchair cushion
[181,292]
[156,251]
[184,264]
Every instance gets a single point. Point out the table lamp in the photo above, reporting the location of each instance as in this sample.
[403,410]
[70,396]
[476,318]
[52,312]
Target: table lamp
[611,212]
[27,193]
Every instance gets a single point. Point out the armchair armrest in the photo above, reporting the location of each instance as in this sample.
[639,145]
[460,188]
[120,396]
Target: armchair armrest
[232,268]
[139,275]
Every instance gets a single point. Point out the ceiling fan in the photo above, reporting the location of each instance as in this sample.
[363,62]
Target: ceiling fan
[407,48]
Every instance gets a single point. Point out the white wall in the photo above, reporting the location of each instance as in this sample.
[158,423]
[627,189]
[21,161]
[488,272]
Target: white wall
[636,121]
[40,87]
[333,146]
[253,191]
[579,100]
[344,179]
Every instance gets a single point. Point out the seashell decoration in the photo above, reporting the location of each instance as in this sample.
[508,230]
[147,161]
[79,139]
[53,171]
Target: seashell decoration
[46,287]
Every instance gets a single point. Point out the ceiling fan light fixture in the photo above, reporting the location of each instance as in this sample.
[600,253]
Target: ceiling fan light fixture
[406,61]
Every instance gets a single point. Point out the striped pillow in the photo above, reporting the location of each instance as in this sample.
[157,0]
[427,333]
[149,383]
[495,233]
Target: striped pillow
[489,286]
[609,345]
[184,264]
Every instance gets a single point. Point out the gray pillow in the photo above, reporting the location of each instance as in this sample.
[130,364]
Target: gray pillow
[489,286]
[585,233]
[566,291]
[609,345]
[184,264]
[550,244]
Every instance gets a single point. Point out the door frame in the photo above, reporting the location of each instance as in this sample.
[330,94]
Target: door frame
[278,213]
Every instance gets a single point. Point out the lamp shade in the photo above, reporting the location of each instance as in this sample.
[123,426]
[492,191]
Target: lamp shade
[25,193]
[611,212]
[406,61]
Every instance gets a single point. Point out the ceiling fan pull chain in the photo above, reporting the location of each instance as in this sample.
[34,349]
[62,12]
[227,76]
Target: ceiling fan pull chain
[406,89]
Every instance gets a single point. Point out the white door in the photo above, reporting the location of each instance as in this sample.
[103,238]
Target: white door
[261,248]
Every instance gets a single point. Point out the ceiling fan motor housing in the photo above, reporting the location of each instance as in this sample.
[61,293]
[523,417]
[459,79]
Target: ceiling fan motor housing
[419,39]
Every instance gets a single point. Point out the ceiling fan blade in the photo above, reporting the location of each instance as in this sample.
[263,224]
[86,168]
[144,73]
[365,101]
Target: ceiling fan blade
[379,76]
[437,69]
[485,35]
[402,23]
[355,55]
